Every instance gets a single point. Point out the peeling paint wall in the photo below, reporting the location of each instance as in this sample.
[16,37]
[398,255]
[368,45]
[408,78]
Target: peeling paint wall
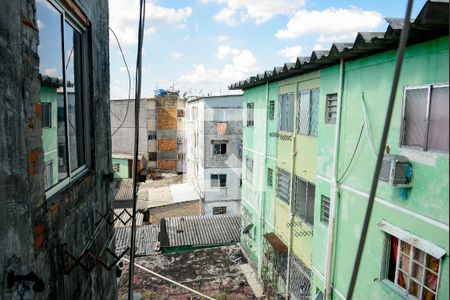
[32,229]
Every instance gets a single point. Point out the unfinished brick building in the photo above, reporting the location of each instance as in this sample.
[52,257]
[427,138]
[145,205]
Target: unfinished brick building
[55,155]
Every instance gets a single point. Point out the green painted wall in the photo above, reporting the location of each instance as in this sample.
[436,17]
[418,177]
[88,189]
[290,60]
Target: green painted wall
[425,211]
[258,144]
[50,135]
[123,169]
[304,167]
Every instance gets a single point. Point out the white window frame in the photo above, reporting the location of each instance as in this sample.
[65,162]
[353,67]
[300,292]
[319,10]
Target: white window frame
[415,242]
[402,132]
[218,186]
[77,26]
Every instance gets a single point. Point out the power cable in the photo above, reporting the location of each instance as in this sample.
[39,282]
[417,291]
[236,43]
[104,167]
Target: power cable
[387,123]
[136,145]
[129,82]
[353,155]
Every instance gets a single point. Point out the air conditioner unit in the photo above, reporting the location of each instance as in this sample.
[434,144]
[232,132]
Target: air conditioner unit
[396,170]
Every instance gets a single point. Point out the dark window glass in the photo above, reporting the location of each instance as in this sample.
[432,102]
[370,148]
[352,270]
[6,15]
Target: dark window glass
[415,117]
[325,209]
[218,180]
[269,177]
[250,114]
[331,109]
[438,134]
[46,108]
[220,148]
[219,210]
[271,110]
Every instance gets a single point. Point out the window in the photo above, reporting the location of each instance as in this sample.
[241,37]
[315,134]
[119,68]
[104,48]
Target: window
[250,114]
[180,156]
[62,74]
[116,167]
[286,122]
[331,109]
[219,148]
[152,156]
[412,270]
[249,170]
[46,114]
[180,113]
[152,135]
[219,210]
[283,185]
[269,177]
[305,193]
[218,180]
[308,112]
[425,118]
[48,176]
[271,110]
[324,209]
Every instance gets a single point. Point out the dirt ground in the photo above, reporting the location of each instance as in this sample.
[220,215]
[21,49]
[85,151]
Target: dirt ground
[214,272]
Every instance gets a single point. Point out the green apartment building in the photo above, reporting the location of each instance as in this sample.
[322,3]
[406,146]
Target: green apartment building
[304,200]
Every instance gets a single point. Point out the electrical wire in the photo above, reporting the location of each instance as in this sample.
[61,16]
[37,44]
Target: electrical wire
[353,155]
[129,82]
[387,123]
[367,126]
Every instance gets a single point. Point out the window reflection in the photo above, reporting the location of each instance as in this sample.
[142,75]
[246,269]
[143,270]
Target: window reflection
[50,68]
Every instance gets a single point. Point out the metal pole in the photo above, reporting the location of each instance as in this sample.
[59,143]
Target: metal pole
[136,145]
[387,123]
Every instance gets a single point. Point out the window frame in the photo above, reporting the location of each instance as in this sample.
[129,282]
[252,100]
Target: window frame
[284,129]
[269,177]
[221,145]
[46,118]
[288,175]
[324,220]
[250,122]
[271,110]
[84,74]
[151,135]
[427,117]
[329,120]
[297,213]
[309,115]
[220,176]
[219,210]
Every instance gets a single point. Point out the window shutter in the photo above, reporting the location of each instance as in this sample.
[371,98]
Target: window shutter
[415,117]
[438,130]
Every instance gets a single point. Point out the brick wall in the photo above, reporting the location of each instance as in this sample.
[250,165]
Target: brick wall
[167,164]
[33,229]
[166,118]
[167,145]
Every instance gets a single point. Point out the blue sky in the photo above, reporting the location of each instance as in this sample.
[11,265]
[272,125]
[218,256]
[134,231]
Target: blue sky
[202,46]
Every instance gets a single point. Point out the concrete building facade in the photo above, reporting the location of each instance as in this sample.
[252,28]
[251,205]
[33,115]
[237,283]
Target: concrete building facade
[214,151]
[43,221]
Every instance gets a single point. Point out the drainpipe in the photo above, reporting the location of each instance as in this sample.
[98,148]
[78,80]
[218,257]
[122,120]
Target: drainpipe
[291,189]
[263,190]
[334,195]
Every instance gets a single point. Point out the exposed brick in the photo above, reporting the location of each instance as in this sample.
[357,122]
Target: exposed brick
[167,145]
[166,118]
[167,164]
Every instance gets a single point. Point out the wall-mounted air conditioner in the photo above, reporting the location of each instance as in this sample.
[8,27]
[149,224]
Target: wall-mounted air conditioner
[396,170]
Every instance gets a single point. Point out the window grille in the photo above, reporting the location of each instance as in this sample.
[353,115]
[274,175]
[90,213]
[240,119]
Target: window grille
[152,156]
[304,200]
[46,114]
[269,177]
[286,122]
[152,135]
[300,276]
[280,264]
[411,269]
[314,113]
[249,170]
[250,114]
[331,109]
[271,110]
[308,112]
[325,209]
[218,180]
[283,185]
[219,210]
[425,118]
[116,167]
[180,113]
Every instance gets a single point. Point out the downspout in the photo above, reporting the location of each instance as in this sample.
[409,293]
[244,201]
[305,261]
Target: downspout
[291,189]
[263,190]
[334,195]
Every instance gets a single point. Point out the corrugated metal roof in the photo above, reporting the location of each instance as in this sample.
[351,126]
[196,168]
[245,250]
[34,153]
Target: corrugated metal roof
[201,230]
[146,239]
[276,243]
[122,190]
[123,216]
[431,23]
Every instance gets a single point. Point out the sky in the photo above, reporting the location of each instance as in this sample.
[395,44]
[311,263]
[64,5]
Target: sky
[200,47]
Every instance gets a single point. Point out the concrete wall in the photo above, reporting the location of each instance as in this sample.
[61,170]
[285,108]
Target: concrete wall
[424,212]
[33,229]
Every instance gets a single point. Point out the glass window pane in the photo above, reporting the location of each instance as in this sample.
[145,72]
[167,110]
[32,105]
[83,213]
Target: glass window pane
[72,45]
[50,51]
[314,117]
[290,113]
[303,115]
[438,127]
[310,204]
[414,288]
[415,117]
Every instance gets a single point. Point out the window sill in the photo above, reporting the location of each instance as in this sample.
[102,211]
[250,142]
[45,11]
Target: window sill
[422,157]
[387,283]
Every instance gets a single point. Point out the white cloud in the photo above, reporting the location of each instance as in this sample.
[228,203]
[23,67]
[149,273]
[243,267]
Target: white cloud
[260,11]
[223,38]
[331,24]
[290,52]
[40,24]
[50,72]
[240,64]
[124,18]
[176,55]
[320,46]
